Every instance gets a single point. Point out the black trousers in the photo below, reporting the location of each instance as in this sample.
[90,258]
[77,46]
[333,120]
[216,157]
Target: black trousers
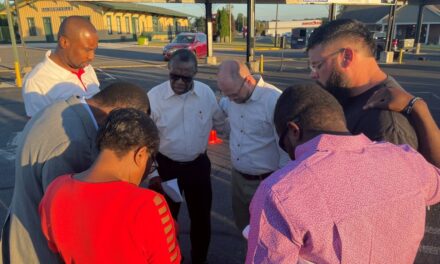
[194,180]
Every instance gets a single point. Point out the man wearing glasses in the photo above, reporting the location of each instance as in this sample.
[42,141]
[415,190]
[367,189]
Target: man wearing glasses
[249,103]
[185,111]
[342,60]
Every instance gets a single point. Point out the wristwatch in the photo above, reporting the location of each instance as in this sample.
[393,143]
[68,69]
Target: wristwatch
[408,109]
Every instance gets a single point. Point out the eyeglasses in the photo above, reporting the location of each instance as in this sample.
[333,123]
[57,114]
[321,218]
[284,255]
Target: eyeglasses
[315,66]
[284,133]
[185,79]
[153,164]
[235,95]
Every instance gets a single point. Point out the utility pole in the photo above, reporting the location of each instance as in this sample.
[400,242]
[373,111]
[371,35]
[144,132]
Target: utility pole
[390,31]
[276,27]
[14,46]
[250,41]
[20,30]
[230,23]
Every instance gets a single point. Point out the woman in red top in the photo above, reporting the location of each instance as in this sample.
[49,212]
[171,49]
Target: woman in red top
[101,215]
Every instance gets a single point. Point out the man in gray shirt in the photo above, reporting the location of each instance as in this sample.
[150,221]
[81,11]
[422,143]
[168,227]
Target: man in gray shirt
[56,141]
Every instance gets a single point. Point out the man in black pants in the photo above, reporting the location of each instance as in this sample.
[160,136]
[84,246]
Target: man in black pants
[185,111]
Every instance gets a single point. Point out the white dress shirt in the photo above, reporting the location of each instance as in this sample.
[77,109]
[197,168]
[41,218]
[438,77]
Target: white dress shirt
[184,121]
[49,82]
[253,139]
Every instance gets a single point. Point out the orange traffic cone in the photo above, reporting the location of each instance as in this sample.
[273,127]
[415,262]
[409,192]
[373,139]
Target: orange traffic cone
[213,139]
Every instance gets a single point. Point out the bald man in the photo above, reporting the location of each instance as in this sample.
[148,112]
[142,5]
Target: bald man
[249,103]
[66,71]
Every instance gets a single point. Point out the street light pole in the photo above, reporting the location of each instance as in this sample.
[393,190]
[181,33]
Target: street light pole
[230,23]
[276,27]
[20,30]
[14,46]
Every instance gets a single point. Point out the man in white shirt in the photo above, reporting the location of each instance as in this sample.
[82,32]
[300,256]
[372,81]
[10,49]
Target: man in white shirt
[185,111]
[249,103]
[66,71]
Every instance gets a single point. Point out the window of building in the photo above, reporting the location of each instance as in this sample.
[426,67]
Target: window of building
[155,23]
[127,24]
[31,26]
[135,22]
[118,25]
[109,25]
[62,19]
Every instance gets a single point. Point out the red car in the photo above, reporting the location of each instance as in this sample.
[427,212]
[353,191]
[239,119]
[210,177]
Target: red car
[195,42]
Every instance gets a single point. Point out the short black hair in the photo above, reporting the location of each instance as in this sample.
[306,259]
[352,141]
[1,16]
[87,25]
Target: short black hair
[315,108]
[122,95]
[183,55]
[342,29]
[127,129]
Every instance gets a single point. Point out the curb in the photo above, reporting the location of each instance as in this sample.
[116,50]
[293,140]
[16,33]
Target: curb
[129,66]
[225,48]
[7,85]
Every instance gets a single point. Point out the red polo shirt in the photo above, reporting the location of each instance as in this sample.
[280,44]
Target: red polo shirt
[111,222]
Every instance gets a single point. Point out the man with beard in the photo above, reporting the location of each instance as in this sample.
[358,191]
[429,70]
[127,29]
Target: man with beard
[342,61]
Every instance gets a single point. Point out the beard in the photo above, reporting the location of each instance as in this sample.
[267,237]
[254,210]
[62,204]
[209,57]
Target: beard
[337,86]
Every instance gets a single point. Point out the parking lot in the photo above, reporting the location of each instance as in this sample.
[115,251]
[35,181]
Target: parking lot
[145,67]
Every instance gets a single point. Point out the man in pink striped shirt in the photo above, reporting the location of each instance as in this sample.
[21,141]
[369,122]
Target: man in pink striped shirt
[343,198]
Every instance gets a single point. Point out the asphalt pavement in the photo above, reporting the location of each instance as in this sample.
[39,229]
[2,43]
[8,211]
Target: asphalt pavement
[144,66]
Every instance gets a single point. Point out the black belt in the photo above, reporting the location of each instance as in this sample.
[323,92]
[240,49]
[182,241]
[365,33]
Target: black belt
[255,177]
[160,155]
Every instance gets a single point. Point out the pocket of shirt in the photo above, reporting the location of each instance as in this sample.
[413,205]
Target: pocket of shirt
[259,127]
[203,123]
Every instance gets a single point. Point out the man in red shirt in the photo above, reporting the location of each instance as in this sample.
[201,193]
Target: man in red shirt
[101,215]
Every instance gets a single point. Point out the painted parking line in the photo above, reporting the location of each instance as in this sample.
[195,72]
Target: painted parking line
[222,218]
[109,76]
[429,93]
[7,85]
[8,152]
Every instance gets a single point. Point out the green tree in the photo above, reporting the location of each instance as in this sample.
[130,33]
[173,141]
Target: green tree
[260,27]
[223,24]
[217,22]
[240,22]
[199,24]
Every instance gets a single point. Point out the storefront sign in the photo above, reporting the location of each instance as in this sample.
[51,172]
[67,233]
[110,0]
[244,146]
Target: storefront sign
[55,9]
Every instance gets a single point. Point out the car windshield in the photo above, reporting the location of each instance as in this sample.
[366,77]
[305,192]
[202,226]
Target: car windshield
[184,39]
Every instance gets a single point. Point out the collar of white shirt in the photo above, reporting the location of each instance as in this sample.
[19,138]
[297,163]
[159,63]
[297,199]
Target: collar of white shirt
[61,72]
[169,91]
[256,94]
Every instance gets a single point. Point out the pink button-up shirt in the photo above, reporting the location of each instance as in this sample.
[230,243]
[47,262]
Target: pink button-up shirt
[345,199]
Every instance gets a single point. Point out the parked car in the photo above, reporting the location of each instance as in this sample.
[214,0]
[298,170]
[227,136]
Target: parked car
[299,37]
[195,42]
[380,38]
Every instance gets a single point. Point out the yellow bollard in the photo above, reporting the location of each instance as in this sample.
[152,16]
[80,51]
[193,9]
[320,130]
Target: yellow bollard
[261,63]
[18,81]
[400,56]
